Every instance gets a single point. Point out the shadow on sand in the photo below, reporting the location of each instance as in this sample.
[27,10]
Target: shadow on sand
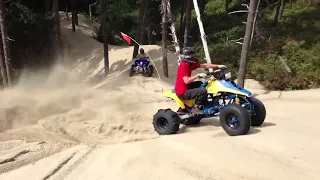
[215,122]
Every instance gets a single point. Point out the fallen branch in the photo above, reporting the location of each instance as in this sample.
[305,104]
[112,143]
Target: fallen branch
[240,11]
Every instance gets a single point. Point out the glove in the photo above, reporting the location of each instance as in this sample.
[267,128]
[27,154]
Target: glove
[202,75]
[222,67]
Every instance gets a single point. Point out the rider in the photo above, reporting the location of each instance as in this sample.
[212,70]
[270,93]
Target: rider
[142,55]
[186,87]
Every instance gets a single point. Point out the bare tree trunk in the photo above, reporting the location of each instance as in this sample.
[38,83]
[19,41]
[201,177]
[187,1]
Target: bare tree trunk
[173,30]
[59,43]
[76,12]
[226,3]
[164,38]
[254,23]
[290,4]
[48,5]
[3,66]
[139,29]
[279,11]
[187,22]
[202,6]
[67,12]
[73,12]
[5,43]
[144,21]
[90,10]
[246,43]
[182,22]
[309,5]
[149,34]
[103,22]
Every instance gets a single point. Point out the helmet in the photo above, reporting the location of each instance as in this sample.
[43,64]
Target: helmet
[141,50]
[187,55]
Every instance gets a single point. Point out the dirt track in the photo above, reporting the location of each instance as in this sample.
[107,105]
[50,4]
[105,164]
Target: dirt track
[64,129]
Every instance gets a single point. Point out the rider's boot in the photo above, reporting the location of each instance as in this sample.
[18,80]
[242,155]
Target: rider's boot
[196,110]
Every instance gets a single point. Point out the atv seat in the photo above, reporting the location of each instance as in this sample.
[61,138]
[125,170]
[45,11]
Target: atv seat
[182,102]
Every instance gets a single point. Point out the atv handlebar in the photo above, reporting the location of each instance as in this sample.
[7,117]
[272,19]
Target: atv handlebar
[217,74]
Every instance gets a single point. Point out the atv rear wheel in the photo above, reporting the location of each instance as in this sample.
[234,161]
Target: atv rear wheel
[235,120]
[166,122]
[149,70]
[131,70]
[193,120]
[259,112]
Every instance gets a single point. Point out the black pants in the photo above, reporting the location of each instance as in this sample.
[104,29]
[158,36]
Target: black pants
[195,92]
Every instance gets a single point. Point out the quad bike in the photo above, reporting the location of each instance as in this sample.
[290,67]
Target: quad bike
[141,66]
[235,106]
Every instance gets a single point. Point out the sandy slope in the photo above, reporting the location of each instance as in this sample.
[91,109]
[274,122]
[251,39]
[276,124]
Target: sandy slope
[80,127]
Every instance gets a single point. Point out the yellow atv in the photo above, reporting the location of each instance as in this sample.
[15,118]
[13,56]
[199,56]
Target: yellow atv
[235,106]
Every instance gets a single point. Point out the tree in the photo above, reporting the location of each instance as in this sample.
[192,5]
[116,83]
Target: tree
[187,21]
[173,29]
[73,14]
[59,42]
[103,22]
[139,28]
[279,11]
[5,43]
[246,43]
[3,66]
[164,38]
[182,22]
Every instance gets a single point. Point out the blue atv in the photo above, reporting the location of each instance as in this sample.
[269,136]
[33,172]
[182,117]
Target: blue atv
[141,66]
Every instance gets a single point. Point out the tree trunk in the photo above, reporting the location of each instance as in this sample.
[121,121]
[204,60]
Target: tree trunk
[90,10]
[164,38]
[3,66]
[67,12]
[103,22]
[202,6]
[182,22]
[5,43]
[246,43]
[144,21]
[226,3]
[279,11]
[73,12]
[48,6]
[187,22]
[149,34]
[254,23]
[290,4]
[59,43]
[139,29]
[173,30]
[76,12]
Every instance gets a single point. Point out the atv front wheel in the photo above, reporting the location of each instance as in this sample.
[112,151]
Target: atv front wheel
[166,122]
[149,70]
[131,70]
[259,112]
[235,120]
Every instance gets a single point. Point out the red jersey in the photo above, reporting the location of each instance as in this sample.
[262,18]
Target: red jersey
[184,70]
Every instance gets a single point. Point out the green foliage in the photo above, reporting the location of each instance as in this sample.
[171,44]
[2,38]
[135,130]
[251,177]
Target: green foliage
[31,32]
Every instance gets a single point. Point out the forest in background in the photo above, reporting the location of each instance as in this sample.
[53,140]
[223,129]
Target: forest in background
[287,30]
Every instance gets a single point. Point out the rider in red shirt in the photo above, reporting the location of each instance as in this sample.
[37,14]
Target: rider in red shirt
[186,87]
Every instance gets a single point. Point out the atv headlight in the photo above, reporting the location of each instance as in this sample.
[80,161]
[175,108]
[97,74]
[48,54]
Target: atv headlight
[228,75]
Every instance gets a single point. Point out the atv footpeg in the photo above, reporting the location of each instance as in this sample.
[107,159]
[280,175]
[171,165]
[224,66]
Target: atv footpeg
[184,116]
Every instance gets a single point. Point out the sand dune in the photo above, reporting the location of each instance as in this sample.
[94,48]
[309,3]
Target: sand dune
[74,123]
